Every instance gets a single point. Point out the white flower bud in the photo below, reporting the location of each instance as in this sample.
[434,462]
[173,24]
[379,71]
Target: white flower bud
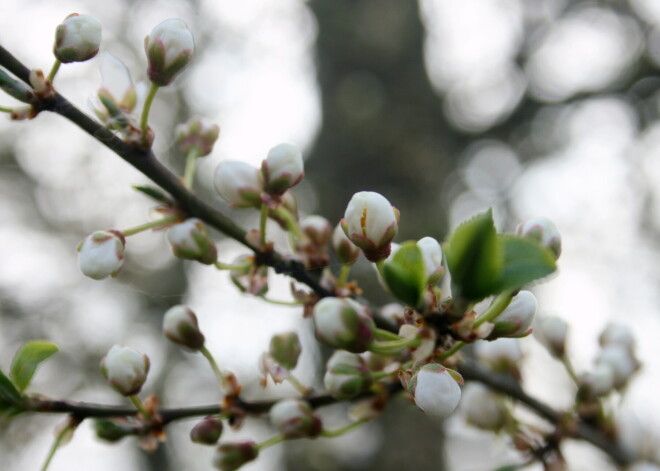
[197,133]
[483,408]
[599,381]
[231,456]
[552,332]
[517,318]
[617,334]
[432,255]
[346,375]
[294,418]
[371,223]
[77,38]
[169,50]
[317,229]
[181,327]
[239,183]
[190,241]
[125,369]
[282,169]
[101,254]
[544,231]
[346,251]
[622,362]
[435,390]
[343,323]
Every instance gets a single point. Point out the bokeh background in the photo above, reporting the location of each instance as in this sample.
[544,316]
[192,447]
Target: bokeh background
[531,107]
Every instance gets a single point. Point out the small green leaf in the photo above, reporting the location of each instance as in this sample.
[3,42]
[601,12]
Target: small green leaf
[154,193]
[475,258]
[27,359]
[11,400]
[405,275]
[524,261]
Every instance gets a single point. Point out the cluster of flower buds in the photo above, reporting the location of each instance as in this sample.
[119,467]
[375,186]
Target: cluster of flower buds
[191,241]
[371,223]
[101,254]
[77,38]
[181,327]
[125,369]
[294,418]
[343,323]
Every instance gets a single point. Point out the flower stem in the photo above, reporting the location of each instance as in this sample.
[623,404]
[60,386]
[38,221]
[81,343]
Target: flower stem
[191,163]
[343,274]
[291,223]
[149,225]
[569,369]
[55,446]
[216,369]
[137,402]
[144,120]
[298,385]
[270,442]
[6,109]
[262,224]
[498,305]
[376,375]
[343,430]
[383,334]
[392,347]
[457,346]
[54,69]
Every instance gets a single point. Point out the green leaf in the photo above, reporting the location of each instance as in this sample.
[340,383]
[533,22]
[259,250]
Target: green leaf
[475,259]
[154,193]
[524,261]
[10,398]
[405,275]
[27,359]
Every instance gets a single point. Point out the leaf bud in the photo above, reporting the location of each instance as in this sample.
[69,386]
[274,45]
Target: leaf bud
[517,318]
[544,231]
[285,349]
[207,431]
[294,418]
[191,241]
[169,50]
[343,323]
[77,38]
[231,456]
[125,369]
[181,327]
[238,183]
[371,223]
[101,254]
[111,430]
[347,375]
[198,134]
[435,390]
[282,169]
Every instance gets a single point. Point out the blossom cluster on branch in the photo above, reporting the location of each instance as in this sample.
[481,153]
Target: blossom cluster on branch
[412,347]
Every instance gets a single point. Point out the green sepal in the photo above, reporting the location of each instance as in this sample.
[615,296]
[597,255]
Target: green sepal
[475,259]
[27,359]
[405,275]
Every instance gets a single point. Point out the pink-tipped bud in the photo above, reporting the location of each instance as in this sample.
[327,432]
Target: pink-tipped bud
[207,432]
[197,134]
[435,390]
[544,231]
[101,254]
[77,38]
[169,50]
[343,323]
[371,223]
[125,369]
[181,327]
[294,418]
[191,241]
[282,169]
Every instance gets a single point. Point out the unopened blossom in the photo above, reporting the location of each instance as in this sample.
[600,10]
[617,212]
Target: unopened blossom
[435,390]
[622,362]
[197,134]
[599,381]
[544,231]
[483,408]
[552,332]
[282,169]
[285,349]
[346,251]
[317,229]
[231,456]
[501,355]
[101,254]
[347,375]
[118,93]
[191,241]
[617,334]
[77,38]
[343,323]
[239,183]
[516,320]
[432,255]
[125,369]
[169,49]
[181,327]
[294,418]
[371,223]
[207,431]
